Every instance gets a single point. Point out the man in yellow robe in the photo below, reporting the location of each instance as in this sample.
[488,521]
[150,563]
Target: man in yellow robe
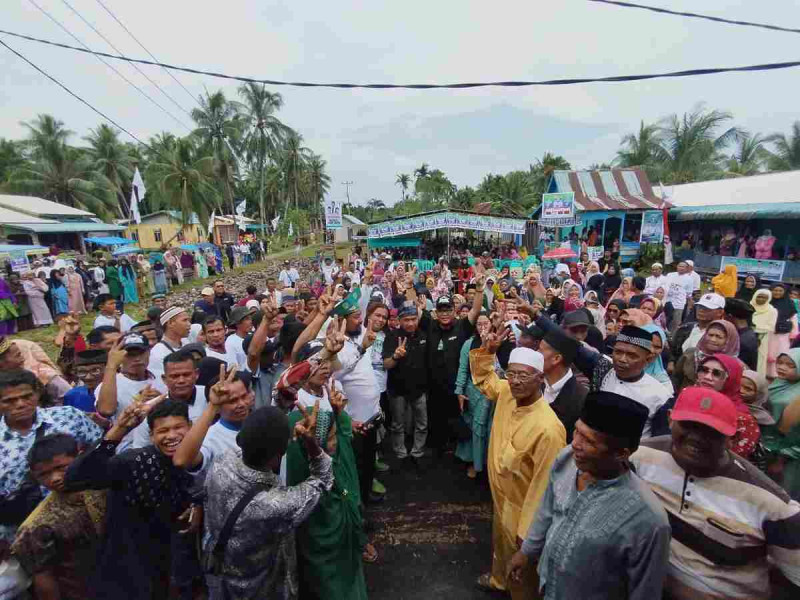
[525,440]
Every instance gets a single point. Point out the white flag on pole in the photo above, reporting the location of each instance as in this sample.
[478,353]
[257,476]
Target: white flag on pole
[291,230]
[211,222]
[275,222]
[137,193]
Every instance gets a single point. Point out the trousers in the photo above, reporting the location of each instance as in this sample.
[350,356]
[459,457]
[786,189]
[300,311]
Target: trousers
[405,413]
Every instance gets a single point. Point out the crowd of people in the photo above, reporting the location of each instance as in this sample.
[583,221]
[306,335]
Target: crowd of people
[640,435]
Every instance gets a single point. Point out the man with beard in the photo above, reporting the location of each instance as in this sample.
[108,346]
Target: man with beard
[147,497]
[446,335]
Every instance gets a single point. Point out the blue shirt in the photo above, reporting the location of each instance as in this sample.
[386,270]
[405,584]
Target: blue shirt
[80,397]
[14,446]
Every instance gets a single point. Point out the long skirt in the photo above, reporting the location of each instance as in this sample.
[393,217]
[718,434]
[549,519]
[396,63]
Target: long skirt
[40,311]
[477,415]
[160,281]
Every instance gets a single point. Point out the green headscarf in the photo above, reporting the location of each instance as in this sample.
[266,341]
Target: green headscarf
[781,394]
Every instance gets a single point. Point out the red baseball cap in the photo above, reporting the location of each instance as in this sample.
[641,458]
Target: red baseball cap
[706,406]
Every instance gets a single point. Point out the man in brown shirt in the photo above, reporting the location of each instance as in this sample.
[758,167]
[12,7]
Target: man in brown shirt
[57,544]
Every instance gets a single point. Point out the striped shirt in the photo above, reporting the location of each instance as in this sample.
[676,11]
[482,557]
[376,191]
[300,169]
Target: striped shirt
[725,528]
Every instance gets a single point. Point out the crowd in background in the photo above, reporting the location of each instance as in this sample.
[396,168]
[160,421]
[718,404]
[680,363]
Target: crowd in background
[622,422]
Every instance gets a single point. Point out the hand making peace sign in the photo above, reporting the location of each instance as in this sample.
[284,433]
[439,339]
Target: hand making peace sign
[400,351]
[335,337]
[220,392]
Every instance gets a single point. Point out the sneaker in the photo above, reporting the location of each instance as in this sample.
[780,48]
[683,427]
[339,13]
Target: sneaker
[381,467]
[378,487]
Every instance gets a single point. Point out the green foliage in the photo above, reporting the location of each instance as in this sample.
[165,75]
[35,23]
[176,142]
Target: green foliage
[787,150]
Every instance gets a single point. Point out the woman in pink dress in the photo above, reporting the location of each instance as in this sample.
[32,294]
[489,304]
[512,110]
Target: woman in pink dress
[35,289]
[75,291]
[764,245]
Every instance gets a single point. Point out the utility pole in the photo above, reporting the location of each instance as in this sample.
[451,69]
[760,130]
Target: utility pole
[347,185]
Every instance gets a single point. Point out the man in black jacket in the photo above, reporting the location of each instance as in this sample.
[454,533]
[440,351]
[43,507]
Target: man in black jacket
[561,388]
[223,301]
[740,313]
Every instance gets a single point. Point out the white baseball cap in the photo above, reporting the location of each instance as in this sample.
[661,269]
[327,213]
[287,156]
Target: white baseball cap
[711,301]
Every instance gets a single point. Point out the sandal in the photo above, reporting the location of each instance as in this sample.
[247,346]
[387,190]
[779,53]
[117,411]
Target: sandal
[370,554]
[484,583]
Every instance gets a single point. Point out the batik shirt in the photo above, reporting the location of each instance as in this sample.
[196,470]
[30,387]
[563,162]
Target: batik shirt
[14,447]
[610,540]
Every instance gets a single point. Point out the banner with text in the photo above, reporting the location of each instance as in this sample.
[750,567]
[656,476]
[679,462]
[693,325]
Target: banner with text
[765,269]
[333,214]
[558,210]
[652,227]
[595,252]
[447,220]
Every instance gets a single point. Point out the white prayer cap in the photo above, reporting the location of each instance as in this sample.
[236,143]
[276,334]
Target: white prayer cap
[170,313]
[252,304]
[656,264]
[690,263]
[526,356]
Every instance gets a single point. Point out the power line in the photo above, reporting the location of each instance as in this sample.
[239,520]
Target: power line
[134,65]
[99,56]
[427,86]
[130,33]
[78,98]
[697,16]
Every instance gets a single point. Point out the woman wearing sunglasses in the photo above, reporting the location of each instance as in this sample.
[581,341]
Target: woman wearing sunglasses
[723,373]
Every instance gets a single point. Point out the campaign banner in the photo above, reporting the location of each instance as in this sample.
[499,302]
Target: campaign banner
[765,269]
[558,210]
[652,231]
[447,220]
[333,214]
[595,252]
[19,261]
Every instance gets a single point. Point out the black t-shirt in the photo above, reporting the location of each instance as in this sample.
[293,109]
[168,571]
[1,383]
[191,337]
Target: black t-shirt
[409,377]
[444,348]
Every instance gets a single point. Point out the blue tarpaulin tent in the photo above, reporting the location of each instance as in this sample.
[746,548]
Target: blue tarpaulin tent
[109,241]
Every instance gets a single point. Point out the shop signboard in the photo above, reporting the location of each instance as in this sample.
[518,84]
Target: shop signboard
[652,227]
[558,210]
[765,269]
[333,214]
[19,261]
[595,252]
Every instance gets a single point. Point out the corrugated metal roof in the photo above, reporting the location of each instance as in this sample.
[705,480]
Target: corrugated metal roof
[353,220]
[769,188]
[11,217]
[40,207]
[69,227]
[739,212]
[614,189]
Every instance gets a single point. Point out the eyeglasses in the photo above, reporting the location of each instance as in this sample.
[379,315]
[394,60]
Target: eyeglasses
[93,370]
[716,373]
[521,377]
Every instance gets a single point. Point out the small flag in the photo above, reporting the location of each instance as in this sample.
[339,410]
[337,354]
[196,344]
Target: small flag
[275,222]
[137,193]
[211,222]
[291,230]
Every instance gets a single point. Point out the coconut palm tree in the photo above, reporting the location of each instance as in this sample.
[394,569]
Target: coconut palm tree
[422,171]
[68,178]
[692,144]
[293,162]
[786,156]
[11,158]
[513,193]
[219,127]
[110,158]
[749,157]
[263,132]
[403,180]
[540,171]
[318,183]
[47,137]
[642,149]
[184,179]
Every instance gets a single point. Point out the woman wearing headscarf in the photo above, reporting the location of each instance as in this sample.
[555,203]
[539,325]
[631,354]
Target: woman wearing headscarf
[783,438]
[723,373]
[200,265]
[145,270]
[8,309]
[476,410]
[751,283]
[652,307]
[780,341]
[720,337]
[765,318]
[594,279]
[465,274]
[159,277]
[35,289]
[127,277]
[755,393]
[575,274]
[113,280]
[655,366]
[592,304]
[75,291]
[573,296]
[611,281]
[533,290]
[330,543]
[58,292]
[726,283]
[553,305]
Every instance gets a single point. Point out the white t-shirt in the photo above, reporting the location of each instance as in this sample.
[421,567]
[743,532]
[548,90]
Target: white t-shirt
[141,435]
[647,391]
[126,390]
[679,288]
[219,439]
[233,347]
[653,283]
[696,280]
[358,381]
[276,295]
[226,356]
[329,272]
[125,322]
[157,355]
[693,339]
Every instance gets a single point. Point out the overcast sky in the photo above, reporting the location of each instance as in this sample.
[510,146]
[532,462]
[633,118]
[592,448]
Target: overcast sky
[368,136]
